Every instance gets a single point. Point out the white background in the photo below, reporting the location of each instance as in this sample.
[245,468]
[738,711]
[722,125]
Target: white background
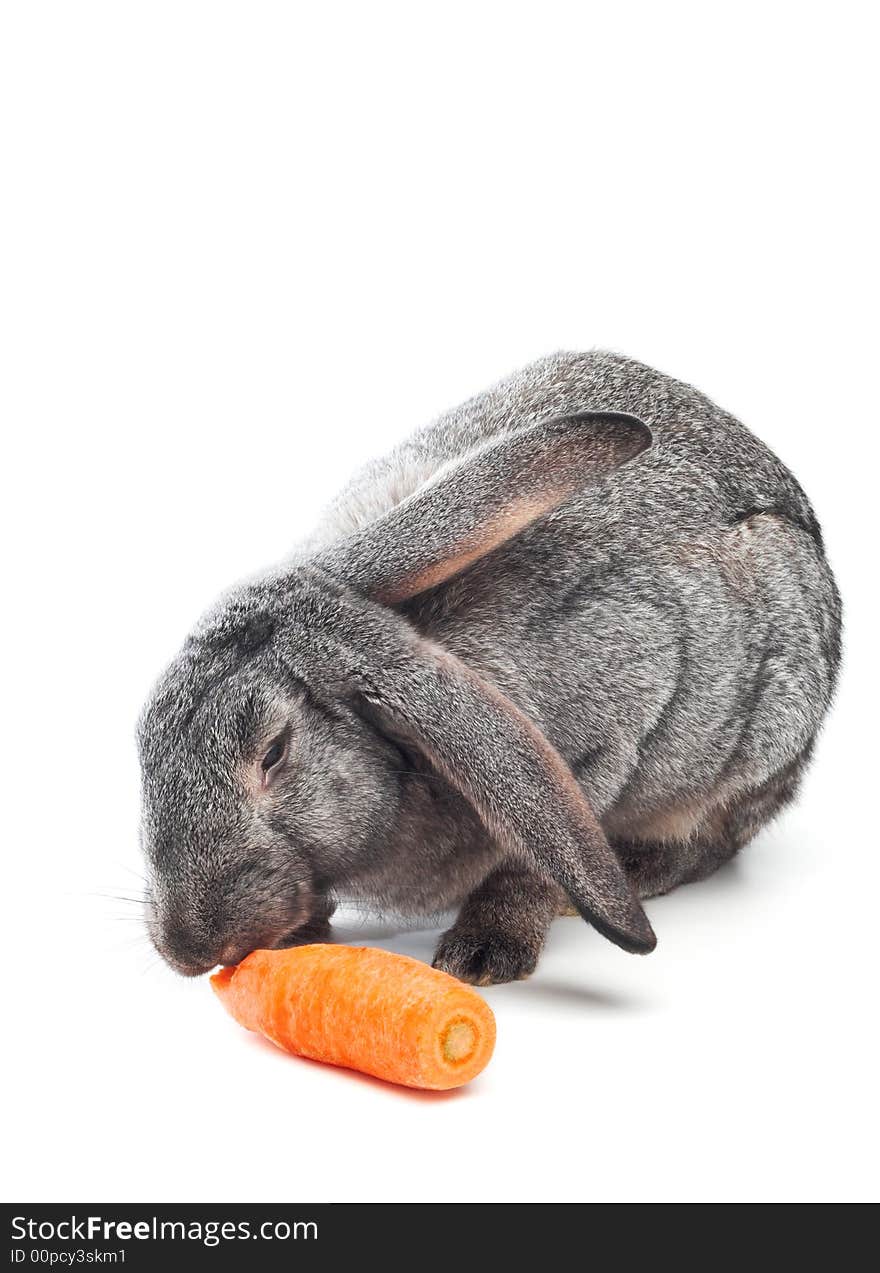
[245,247]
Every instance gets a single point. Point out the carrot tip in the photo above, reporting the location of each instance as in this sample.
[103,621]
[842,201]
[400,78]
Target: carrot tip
[220,980]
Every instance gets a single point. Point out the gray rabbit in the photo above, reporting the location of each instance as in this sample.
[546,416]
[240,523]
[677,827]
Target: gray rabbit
[569,645]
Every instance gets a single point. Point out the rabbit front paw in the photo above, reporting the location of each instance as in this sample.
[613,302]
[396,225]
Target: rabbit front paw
[486,957]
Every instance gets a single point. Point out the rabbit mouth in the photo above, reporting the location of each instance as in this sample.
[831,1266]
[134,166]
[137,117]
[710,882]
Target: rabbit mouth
[190,969]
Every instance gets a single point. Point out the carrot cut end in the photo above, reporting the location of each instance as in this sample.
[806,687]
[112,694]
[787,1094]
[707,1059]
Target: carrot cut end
[458,1042]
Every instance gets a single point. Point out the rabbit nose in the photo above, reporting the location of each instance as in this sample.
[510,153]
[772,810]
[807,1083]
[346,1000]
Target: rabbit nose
[187,954]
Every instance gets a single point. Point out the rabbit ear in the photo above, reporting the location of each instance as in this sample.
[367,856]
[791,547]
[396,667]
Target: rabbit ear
[474,504]
[505,767]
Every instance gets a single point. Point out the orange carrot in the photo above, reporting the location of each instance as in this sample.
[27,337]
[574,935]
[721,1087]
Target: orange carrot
[366,1009]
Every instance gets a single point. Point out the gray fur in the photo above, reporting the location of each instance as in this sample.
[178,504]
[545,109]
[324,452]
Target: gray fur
[573,640]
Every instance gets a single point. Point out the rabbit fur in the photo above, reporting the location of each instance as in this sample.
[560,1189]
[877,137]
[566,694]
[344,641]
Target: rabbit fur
[569,645]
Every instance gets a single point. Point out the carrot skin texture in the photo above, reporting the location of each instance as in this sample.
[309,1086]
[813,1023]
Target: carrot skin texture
[365,1009]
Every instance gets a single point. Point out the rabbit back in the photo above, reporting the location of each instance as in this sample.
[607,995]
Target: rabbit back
[704,462]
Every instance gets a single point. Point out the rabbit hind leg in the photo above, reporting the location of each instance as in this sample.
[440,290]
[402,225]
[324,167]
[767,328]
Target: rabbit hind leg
[658,867]
[655,869]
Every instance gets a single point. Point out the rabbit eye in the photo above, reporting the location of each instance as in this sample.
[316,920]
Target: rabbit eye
[274,756]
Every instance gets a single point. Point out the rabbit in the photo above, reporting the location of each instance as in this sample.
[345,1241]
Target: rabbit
[567,647]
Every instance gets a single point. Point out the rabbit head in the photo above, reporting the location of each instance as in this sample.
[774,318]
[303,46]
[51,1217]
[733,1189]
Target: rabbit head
[268,748]
[254,789]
